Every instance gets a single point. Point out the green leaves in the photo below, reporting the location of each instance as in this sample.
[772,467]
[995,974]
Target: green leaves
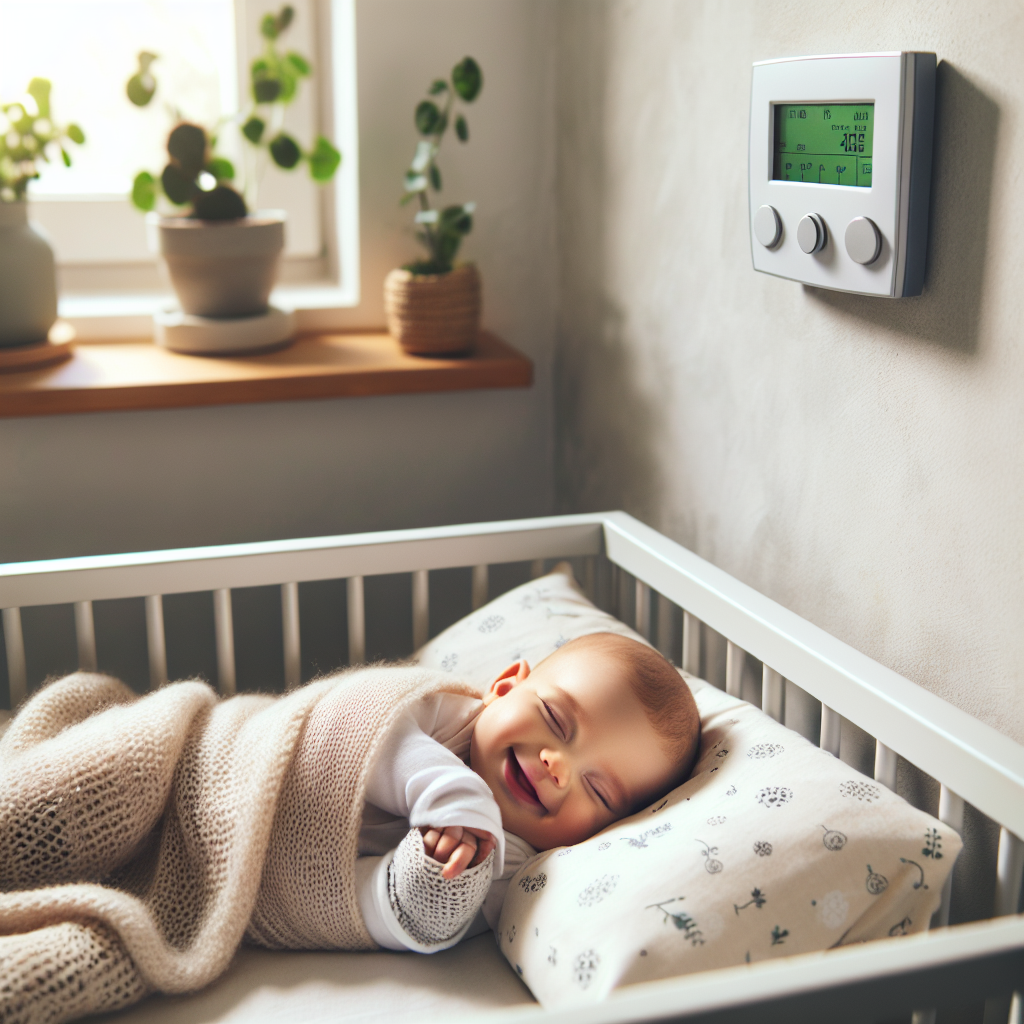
[221,168]
[273,25]
[39,90]
[265,88]
[144,191]
[253,129]
[193,174]
[427,117]
[441,232]
[323,160]
[220,203]
[468,79]
[177,186]
[415,182]
[27,133]
[275,77]
[424,154]
[285,151]
[299,65]
[186,146]
[142,85]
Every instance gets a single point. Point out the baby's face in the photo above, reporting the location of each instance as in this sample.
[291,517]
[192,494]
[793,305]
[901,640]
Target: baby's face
[567,749]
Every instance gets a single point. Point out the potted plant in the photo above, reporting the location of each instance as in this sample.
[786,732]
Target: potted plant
[28,289]
[221,257]
[433,304]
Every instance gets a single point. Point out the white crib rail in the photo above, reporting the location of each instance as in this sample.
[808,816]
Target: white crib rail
[971,761]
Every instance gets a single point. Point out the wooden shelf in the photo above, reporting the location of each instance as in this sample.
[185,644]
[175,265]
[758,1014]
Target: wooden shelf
[141,375]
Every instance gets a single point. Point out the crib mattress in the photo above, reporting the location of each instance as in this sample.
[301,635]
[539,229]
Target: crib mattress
[262,987]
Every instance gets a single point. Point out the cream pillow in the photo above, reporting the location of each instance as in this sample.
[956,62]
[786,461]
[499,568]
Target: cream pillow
[772,847]
[531,622]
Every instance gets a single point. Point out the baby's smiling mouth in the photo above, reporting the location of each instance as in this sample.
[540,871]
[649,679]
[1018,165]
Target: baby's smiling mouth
[519,782]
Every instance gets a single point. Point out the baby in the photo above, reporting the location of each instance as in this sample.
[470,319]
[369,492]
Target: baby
[598,730]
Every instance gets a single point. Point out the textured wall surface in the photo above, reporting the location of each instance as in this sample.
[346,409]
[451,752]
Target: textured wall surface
[77,485]
[857,459]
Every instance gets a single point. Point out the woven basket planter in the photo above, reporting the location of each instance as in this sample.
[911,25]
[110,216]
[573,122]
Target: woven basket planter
[434,314]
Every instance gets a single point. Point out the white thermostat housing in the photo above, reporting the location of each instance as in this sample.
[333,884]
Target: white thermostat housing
[840,170]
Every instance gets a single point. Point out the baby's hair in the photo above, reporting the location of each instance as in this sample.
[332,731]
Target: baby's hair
[661,690]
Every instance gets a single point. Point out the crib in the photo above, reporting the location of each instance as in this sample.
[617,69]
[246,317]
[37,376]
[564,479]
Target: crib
[624,565]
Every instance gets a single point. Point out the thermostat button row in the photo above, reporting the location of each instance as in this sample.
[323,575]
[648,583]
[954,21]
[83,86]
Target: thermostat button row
[811,233]
[767,226]
[863,240]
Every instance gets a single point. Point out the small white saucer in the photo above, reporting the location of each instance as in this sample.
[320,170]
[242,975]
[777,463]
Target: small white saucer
[209,336]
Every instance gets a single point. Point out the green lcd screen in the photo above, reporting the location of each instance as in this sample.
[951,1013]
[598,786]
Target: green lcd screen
[826,143]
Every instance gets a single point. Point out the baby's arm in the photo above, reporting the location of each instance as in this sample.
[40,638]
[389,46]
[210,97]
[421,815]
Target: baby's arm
[455,821]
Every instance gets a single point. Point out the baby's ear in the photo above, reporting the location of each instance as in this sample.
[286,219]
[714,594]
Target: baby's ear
[507,679]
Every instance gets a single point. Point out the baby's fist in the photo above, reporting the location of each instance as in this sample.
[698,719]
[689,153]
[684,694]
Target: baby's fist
[457,847]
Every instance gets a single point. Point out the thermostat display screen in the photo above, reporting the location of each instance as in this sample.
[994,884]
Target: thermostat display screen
[825,143]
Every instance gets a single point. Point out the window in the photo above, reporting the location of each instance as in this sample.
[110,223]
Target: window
[110,281]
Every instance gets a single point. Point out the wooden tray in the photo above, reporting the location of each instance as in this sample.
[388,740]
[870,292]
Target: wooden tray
[32,357]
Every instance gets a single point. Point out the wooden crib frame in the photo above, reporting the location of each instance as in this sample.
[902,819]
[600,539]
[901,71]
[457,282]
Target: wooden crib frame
[972,762]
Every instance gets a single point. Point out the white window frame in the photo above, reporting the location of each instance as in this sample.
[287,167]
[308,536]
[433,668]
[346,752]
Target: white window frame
[118,300]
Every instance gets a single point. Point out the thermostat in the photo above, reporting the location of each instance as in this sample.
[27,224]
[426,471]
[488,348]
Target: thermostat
[840,170]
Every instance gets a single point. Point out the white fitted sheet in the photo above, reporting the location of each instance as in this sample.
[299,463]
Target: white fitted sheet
[263,987]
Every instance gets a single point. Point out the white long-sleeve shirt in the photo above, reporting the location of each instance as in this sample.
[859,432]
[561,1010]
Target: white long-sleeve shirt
[420,778]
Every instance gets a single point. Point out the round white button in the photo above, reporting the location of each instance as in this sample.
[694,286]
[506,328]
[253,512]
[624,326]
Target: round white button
[863,240]
[811,234]
[767,226]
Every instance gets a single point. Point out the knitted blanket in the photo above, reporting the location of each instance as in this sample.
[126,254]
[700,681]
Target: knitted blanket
[141,836]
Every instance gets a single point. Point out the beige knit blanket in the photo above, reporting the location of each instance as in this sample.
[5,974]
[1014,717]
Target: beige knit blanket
[141,836]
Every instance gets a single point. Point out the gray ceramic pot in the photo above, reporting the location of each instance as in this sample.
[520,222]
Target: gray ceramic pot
[221,268]
[28,286]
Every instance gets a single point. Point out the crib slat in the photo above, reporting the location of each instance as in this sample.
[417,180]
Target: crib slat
[665,638]
[734,659]
[85,635]
[951,813]
[691,644]
[156,642]
[589,580]
[643,610]
[773,693]
[831,730]
[224,627]
[420,608]
[886,760]
[291,635]
[1009,871]
[536,568]
[481,586]
[14,641]
[356,621]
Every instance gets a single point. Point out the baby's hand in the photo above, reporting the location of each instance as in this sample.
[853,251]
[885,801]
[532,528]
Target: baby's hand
[457,847]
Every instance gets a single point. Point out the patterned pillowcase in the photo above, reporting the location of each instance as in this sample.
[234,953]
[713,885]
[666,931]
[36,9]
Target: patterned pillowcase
[772,847]
[531,622]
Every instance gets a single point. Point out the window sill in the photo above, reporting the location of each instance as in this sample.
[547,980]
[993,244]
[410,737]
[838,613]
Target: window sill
[120,375]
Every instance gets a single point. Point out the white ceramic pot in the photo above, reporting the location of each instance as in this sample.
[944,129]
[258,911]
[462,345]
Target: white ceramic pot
[28,284]
[220,268]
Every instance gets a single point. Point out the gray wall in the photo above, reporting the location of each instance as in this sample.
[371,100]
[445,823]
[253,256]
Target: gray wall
[75,485]
[859,460]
